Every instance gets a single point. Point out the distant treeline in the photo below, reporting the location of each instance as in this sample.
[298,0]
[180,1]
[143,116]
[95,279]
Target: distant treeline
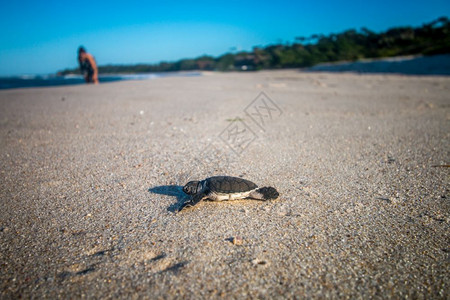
[350,45]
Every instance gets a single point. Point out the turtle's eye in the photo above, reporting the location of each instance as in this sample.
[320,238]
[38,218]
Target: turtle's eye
[190,188]
[187,189]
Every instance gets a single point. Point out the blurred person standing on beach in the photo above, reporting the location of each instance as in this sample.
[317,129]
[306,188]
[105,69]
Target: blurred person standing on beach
[88,67]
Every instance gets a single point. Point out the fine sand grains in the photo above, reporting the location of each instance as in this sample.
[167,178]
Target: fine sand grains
[91,178]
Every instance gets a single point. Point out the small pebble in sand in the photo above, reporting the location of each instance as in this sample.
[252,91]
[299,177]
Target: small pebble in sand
[237,240]
[259,262]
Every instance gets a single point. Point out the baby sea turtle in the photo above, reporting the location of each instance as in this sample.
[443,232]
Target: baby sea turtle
[219,188]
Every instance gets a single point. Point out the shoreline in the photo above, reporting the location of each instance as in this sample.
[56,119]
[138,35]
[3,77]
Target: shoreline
[436,65]
[31,81]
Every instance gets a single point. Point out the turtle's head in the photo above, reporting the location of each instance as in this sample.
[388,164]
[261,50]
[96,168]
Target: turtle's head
[192,187]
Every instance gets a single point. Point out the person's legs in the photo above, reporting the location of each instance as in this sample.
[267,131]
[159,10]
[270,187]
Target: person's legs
[88,77]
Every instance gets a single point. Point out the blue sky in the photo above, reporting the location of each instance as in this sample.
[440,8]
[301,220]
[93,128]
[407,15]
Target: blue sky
[41,37]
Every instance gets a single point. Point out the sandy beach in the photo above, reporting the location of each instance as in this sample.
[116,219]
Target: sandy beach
[91,180]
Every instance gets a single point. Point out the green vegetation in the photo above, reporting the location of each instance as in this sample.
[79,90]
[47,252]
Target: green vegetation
[350,45]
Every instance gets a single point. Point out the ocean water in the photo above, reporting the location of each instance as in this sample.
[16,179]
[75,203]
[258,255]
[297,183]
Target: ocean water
[406,65]
[27,81]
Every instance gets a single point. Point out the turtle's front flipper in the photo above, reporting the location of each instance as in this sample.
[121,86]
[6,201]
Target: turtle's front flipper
[264,193]
[193,201]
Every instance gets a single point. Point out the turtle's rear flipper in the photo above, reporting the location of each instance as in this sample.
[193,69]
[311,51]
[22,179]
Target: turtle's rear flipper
[194,200]
[264,193]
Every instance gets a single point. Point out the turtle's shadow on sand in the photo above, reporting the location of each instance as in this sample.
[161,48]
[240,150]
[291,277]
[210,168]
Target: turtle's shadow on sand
[171,190]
